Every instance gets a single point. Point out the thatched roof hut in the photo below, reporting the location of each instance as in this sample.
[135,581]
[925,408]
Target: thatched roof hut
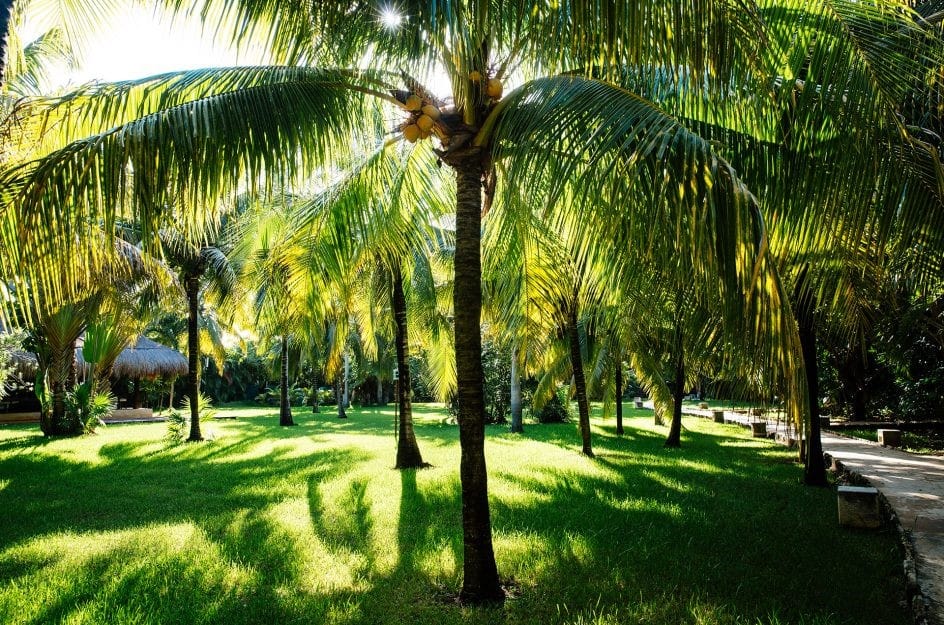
[146,359]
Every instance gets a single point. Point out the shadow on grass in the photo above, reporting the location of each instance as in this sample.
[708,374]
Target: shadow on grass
[641,534]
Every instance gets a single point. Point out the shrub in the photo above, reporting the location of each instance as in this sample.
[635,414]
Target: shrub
[557,409]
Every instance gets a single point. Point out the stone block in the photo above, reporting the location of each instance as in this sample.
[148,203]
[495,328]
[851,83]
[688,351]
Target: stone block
[718,416]
[703,405]
[638,402]
[759,430]
[891,438]
[859,507]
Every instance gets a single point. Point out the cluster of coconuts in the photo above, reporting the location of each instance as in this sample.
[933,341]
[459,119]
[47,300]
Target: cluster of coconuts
[423,118]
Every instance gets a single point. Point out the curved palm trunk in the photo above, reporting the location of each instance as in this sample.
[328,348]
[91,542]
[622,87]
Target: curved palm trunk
[580,383]
[480,573]
[619,398]
[408,451]
[814,473]
[192,288]
[285,408]
[342,413]
[516,425]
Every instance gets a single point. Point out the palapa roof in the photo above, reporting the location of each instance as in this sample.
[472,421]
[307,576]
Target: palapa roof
[144,360]
[147,359]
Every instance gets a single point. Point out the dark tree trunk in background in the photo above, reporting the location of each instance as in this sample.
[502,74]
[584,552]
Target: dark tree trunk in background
[580,383]
[285,407]
[315,395]
[814,473]
[136,393]
[192,288]
[619,398]
[6,8]
[342,413]
[516,424]
[480,583]
[408,451]
[674,439]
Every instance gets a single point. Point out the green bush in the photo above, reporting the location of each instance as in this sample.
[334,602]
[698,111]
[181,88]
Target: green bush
[557,409]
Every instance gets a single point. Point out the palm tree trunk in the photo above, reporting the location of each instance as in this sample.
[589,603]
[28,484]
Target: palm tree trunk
[192,287]
[516,425]
[347,370]
[580,383]
[170,397]
[619,398]
[380,391]
[674,438]
[408,451]
[814,473]
[315,395]
[480,582]
[285,408]
[6,8]
[342,413]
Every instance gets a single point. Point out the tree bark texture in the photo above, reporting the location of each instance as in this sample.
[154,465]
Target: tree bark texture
[516,424]
[580,383]
[342,413]
[619,398]
[285,406]
[674,439]
[192,287]
[480,582]
[408,451]
[814,473]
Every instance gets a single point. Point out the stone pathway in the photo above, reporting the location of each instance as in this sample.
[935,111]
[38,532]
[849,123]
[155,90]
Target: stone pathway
[912,484]
[914,487]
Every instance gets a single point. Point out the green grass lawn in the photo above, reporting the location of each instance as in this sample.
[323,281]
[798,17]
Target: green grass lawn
[312,525]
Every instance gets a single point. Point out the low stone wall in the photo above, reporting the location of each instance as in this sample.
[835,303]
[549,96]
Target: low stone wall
[121,415]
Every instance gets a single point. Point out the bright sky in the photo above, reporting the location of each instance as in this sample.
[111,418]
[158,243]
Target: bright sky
[139,44]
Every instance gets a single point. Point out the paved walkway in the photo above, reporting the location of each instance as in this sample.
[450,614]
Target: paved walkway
[914,487]
[912,484]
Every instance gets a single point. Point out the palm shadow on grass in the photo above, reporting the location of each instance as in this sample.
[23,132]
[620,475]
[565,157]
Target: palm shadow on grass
[642,535]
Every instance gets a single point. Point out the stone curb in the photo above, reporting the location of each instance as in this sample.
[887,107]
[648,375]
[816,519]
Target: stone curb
[917,601]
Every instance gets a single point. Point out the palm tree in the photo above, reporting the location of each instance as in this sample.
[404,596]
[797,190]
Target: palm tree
[590,126]
[202,265]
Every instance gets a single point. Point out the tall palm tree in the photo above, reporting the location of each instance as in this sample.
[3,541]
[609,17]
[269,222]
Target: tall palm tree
[203,266]
[585,115]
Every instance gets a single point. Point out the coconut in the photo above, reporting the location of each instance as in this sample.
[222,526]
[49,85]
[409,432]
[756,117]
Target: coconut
[494,88]
[432,111]
[475,76]
[411,132]
[425,122]
[425,134]
[413,103]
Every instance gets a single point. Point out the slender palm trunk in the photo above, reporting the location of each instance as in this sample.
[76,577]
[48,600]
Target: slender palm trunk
[6,8]
[408,451]
[192,287]
[136,393]
[380,391]
[170,398]
[315,395]
[619,398]
[516,425]
[674,438]
[814,473]
[347,371]
[480,582]
[580,383]
[285,407]
[342,413]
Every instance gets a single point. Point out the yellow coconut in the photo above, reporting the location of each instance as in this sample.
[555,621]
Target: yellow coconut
[413,103]
[425,122]
[494,88]
[424,134]
[432,111]
[475,76]
[411,133]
